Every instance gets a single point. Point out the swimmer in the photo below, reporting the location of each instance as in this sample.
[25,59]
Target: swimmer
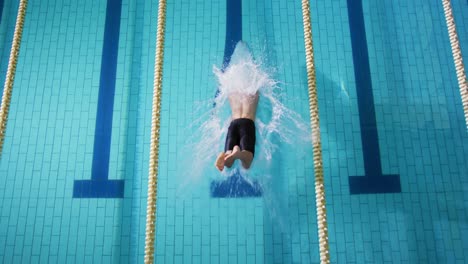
[240,138]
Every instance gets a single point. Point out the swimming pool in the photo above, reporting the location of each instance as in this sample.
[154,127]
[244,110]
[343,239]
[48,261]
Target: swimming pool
[66,130]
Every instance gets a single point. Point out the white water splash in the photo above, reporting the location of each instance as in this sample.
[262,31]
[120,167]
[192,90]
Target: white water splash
[275,123]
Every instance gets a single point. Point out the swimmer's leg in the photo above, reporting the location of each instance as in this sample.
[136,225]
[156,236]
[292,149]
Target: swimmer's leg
[245,156]
[247,142]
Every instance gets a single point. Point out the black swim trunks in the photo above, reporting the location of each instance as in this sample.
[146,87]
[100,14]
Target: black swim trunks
[241,132]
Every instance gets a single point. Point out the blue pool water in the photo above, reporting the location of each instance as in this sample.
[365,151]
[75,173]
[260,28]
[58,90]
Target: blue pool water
[74,168]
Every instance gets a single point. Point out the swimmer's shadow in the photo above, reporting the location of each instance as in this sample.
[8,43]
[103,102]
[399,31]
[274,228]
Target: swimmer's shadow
[235,186]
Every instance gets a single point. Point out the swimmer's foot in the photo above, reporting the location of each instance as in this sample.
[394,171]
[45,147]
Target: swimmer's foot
[219,164]
[231,157]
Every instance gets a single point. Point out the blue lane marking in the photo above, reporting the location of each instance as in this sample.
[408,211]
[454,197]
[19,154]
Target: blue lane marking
[373,181]
[233,29]
[233,32]
[236,185]
[100,186]
[1,9]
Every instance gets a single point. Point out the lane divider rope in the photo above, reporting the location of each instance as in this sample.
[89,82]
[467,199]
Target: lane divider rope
[317,145]
[457,57]
[155,127]
[10,76]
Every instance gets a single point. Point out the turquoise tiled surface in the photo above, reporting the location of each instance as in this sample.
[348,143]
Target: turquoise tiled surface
[422,135]
[50,136]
